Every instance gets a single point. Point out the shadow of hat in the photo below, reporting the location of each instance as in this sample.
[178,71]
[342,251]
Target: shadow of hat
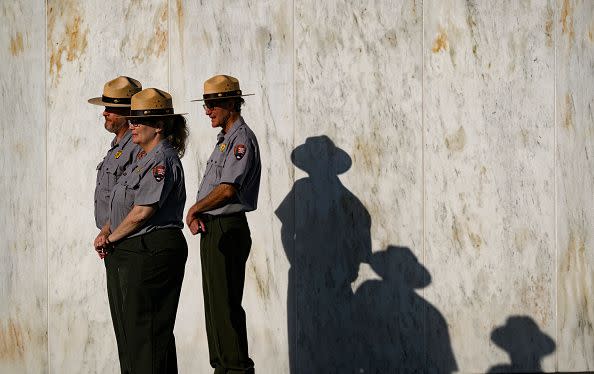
[521,334]
[320,153]
[401,263]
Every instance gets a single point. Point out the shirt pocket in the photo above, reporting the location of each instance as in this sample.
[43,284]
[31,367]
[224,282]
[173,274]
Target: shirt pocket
[216,172]
[131,184]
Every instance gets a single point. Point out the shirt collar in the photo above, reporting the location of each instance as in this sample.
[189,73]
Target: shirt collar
[236,125]
[122,143]
[151,155]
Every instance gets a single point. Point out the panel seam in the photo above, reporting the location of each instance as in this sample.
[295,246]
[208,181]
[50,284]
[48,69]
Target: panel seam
[47,280]
[555,214]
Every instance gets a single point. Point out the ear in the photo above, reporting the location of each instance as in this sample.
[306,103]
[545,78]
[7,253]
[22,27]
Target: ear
[159,126]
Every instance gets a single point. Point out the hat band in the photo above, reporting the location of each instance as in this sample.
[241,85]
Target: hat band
[148,112]
[221,95]
[116,100]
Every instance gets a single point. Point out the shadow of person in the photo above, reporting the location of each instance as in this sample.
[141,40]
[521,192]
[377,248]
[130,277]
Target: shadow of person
[404,333]
[525,344]
[326,235]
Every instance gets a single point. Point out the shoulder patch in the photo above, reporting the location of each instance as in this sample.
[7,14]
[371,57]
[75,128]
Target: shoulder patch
[239,151]
[159,172]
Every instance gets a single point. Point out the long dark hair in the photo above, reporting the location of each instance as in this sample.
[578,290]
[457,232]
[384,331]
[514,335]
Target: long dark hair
[175,130]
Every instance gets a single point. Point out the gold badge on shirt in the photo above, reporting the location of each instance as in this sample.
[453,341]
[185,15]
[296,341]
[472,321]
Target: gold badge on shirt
[222,147]
[118,154]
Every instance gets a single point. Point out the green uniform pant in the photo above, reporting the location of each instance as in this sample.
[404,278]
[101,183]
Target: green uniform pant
[144,278]
[224,249]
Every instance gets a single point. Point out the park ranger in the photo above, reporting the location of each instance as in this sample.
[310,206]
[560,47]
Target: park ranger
[145,240]
[116,97]
[229,189]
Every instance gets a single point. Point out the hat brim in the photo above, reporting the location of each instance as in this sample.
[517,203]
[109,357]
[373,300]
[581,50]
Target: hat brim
[157,115]
[224,98]
[99,101]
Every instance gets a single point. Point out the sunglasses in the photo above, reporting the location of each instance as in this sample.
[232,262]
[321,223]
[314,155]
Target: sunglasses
[135,122]
[213,103]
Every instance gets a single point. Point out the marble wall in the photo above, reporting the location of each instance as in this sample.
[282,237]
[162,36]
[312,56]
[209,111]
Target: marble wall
[23,190]
[426,199]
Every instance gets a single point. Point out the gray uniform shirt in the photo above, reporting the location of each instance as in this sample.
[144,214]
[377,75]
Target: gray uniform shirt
[234,160]
[119,157]
[155,178]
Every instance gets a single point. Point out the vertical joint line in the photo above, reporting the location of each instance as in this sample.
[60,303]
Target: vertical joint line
[47,280]
[556,293]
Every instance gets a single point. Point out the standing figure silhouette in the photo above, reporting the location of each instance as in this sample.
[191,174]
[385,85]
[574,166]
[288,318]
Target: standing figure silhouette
[326,235]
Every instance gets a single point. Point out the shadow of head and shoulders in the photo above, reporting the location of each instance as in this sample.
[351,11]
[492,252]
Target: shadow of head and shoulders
[525,344]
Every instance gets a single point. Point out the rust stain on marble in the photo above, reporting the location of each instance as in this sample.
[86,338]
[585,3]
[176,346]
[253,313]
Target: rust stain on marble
[12,342]
[16,44]
[456,141]
[180,25]
[567,14]
[391,38]
[549,27]
[440,43]
[156,45]
[476,240]
[576,250]
[568,112]
[576,277]
[73,40]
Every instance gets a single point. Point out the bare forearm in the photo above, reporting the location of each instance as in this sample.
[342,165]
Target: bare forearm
[134,220]
[105,229]
[221,195]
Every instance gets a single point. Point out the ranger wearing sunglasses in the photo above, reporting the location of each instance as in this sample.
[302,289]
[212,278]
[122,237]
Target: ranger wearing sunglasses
[229,189]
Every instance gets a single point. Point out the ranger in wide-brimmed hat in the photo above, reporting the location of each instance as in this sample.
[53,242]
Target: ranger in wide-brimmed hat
[229,189]
[154,107]
[117,94]
[116,98]
[145,238]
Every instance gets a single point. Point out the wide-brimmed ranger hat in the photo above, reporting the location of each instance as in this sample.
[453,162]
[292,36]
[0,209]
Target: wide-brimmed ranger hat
[118,92]
[152,102]
[221,87]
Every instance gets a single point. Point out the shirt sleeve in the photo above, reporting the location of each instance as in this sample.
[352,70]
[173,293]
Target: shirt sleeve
[238,161]
[156,184]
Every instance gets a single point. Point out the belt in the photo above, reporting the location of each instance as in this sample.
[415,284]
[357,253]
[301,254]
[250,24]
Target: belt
[206,218]
[146,240]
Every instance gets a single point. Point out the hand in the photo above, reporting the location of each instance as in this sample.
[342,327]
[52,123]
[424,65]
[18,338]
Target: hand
[197,226]
[190,217]
[100,244]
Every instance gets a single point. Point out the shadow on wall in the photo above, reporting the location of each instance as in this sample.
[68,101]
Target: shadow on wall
[525,344]
[385,326]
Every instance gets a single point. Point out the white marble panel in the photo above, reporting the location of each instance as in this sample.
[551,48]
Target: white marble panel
[574,33]
[253,41]
[88,43]
[488,120]
[23,259]
[358,189]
